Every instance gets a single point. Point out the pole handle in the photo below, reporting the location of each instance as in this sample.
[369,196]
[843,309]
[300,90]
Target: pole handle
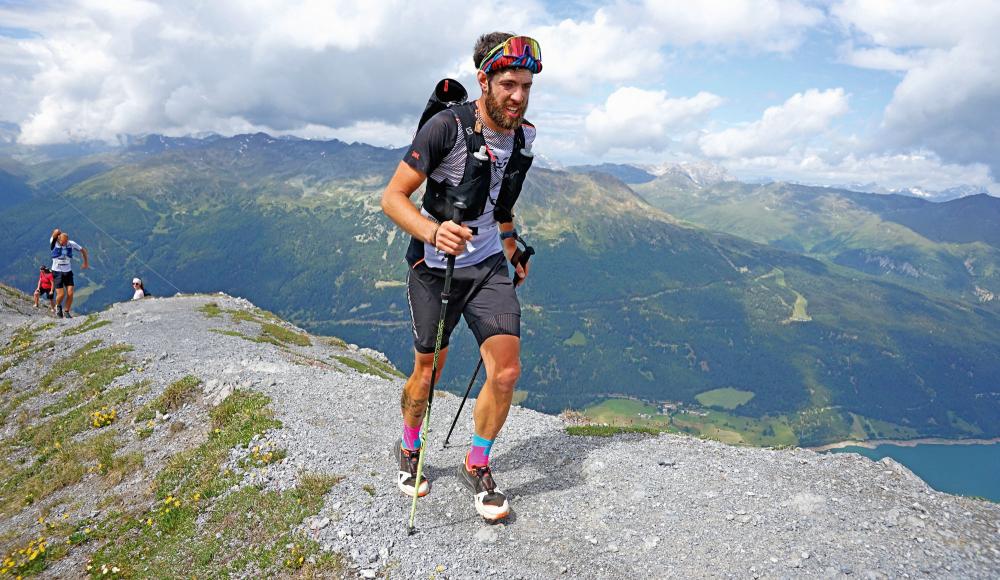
[522,259]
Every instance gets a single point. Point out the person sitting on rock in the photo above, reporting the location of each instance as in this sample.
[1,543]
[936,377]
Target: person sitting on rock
[139,290]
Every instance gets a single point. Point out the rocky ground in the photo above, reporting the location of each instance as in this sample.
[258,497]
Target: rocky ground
[625,506]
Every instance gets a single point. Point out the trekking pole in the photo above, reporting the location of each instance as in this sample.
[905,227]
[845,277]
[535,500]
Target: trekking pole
[522,260]
[425,428]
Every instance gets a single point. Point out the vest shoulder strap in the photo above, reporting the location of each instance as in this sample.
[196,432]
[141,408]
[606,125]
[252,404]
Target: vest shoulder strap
[472,127]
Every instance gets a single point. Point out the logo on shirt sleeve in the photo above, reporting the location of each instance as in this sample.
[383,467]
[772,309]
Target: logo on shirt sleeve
[415,155]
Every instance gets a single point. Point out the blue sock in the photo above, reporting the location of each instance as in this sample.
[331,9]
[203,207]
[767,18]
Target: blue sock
[479,453]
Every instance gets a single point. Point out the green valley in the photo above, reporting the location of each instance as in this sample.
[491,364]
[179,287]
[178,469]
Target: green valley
[623,300]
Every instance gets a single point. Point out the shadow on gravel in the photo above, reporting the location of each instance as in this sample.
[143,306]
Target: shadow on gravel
[474,517]
[558,456]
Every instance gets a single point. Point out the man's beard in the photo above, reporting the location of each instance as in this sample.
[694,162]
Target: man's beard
[498,114]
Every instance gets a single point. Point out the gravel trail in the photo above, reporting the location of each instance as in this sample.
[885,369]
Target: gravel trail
[630,506]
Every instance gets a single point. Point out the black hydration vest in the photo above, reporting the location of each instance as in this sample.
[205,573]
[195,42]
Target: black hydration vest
[471,193]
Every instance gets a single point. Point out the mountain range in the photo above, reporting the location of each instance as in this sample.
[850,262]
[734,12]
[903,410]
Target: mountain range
[675,292]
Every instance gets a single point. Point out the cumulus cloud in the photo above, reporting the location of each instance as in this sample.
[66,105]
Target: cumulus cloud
[768,25]
[624,42]
[101,70]
[949,98]
[880,58]
[801,117]
[601,49]
[633,118]
[920,169]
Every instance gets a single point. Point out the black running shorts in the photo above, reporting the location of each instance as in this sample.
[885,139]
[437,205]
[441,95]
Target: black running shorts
[62,279]
[483,293]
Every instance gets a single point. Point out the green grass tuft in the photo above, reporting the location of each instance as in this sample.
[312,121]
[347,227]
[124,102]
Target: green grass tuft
[283,335]
[90,323]
[98,367]
[334,341]
[385,368]
[198,527]
[362,367]
[211,310]
[241,416]
[20,342]
[60,466]
[610,430]
[171,399]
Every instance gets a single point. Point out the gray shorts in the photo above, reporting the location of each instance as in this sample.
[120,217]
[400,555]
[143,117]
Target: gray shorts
[483,293]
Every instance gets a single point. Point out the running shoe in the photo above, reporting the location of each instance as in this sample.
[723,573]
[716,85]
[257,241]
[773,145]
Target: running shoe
[69,314]
[407,477]
[59,313]
[491,503]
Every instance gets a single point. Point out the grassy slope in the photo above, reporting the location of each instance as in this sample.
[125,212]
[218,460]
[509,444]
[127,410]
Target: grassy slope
[948,248]
[86,448]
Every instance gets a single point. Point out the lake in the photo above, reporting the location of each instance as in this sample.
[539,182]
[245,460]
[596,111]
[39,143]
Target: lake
[958,469]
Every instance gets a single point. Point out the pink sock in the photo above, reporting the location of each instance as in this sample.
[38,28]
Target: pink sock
[411,437]
[479,452]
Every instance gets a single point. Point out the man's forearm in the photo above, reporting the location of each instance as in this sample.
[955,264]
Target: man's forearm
[509,244]
[401,210]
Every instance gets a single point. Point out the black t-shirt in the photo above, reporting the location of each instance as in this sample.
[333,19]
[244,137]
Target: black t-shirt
[433,142]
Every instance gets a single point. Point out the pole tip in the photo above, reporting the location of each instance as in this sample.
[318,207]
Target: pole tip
[410,531]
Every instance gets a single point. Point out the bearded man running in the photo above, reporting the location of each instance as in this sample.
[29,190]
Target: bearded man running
[482,289]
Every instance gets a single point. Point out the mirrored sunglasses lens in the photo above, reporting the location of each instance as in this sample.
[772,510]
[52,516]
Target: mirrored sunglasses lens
[521,45]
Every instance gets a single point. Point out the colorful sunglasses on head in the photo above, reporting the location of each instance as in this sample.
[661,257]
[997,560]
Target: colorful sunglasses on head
[517,52]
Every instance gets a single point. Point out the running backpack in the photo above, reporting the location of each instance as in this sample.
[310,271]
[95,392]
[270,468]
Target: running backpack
[474,188]
[60,251]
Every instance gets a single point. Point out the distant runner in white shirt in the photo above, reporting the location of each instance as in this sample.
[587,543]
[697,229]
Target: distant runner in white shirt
[62,269]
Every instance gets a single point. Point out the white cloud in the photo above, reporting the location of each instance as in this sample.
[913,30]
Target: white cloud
[603,49]
[633,118]
[800,118]
[98,70]
[624,41]
[921,169]
[949,98]
[768,25]
[881,58]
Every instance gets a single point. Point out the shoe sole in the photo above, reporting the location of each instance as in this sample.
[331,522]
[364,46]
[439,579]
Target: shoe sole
[394,453]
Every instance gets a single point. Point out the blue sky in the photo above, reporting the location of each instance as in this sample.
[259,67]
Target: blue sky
[899,94]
